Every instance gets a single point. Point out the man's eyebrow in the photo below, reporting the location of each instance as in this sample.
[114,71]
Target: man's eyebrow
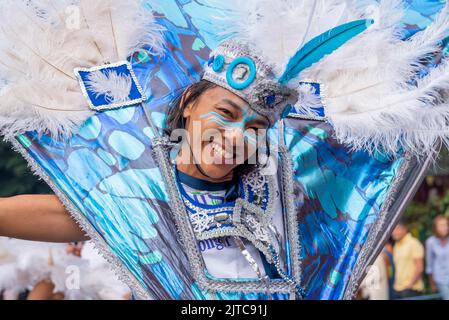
[233,104]
[261,122]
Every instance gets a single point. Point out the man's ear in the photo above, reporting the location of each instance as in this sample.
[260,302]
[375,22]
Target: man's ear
[187,112]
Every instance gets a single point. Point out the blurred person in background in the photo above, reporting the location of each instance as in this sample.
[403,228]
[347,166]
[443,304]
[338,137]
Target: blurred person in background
[408,257]
[389,261]
[379,281]
[437,257]
[375,284]
[46,271]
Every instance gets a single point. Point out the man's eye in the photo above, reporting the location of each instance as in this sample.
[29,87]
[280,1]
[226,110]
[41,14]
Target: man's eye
[226,112]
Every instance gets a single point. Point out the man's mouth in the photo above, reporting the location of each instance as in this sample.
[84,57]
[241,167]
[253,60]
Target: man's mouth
[218,148]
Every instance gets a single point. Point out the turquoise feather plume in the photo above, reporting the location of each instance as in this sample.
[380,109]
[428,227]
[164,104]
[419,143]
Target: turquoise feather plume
[322,45]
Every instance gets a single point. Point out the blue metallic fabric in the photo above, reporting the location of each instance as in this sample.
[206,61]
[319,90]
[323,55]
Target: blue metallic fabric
[108,174]
[341,194]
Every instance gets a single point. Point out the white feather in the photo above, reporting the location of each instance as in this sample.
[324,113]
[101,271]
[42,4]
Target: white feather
[42,41]
[278,28]
[307,99]
[121,27]
[369,96]
[115,87]
[437,31]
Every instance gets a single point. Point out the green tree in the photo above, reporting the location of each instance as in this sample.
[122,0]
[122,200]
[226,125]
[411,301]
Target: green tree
[420,215]
[15,176]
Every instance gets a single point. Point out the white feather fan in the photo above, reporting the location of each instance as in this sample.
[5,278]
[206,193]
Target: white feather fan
[371,97]
[368,91]
[42,41]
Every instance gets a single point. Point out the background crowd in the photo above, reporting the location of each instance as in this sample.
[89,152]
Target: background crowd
[414,264]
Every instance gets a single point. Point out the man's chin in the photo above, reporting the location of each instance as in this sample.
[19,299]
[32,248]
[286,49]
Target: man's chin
[219,171]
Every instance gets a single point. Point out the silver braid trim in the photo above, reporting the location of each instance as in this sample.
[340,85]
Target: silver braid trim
[379,227]
[287,181]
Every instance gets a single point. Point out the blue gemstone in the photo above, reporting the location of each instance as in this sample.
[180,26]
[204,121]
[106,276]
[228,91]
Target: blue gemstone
[270,100]
[219,62]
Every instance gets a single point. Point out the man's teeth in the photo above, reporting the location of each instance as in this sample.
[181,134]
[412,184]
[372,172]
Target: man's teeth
[218,148]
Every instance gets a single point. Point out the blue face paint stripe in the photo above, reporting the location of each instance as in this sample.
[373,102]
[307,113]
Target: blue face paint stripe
[248,115]
[220,120]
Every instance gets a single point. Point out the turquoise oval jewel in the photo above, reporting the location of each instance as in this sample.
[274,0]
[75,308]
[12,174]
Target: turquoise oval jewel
[218,63]
[252,73]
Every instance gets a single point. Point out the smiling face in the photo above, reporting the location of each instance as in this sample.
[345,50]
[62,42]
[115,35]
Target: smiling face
[223,132]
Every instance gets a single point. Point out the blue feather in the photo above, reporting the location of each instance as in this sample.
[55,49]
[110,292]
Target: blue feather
[322,45]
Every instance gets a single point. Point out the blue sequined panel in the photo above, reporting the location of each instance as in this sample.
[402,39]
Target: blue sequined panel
[339,197]
[107,171]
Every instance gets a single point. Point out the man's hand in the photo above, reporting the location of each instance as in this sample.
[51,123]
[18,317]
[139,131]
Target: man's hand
[433,285]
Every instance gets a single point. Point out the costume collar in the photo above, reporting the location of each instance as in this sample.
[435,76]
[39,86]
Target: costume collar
[200,184]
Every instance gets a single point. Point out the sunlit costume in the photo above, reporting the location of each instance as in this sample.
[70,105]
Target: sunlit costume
[357,104]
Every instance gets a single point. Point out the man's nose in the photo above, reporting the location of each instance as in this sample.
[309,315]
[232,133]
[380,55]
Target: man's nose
[235,136]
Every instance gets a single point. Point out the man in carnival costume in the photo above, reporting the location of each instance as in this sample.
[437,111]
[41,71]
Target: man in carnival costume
[263,154]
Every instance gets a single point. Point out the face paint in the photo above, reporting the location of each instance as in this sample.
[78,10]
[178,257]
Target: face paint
[248,116]
[251,138]
[225,133]
[222,121]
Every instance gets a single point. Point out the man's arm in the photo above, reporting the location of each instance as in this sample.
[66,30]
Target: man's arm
[38,218]
[419,268]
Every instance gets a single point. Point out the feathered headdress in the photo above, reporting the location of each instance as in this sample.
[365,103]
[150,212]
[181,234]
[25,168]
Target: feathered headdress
[369,77]
[250,68]
[43,41]
[369,83]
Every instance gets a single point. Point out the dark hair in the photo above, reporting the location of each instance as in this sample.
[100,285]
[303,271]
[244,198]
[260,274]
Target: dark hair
[175,119]
[435,221]
[403,221]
